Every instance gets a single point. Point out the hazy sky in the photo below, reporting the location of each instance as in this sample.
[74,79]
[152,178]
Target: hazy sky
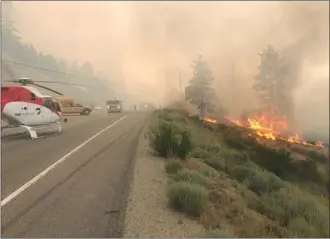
[140,41]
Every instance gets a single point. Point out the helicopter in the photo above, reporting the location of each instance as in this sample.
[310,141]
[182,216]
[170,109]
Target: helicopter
[24,106]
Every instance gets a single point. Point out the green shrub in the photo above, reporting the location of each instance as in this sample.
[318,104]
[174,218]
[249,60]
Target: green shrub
[185,146]
[192,176]
[171,115]
[233,157]
[173,166]
[170,140]
[235,143]
[163,139]
[277,161]
[196,120]
[200,153]
[307,171]
[256,179]
[215,162]
[212,147]
[286,205]
[320,157]
[187,197]
[251,199]
[300,226]
[208,171]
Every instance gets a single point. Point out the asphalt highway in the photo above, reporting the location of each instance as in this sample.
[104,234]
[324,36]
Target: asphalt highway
[72,184]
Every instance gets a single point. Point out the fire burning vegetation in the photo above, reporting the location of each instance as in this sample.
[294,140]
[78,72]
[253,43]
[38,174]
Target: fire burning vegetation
[268,127]
[274,119]
[255,175]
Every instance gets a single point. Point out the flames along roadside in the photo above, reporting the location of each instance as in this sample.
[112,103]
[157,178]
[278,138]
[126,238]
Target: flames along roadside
[263,130]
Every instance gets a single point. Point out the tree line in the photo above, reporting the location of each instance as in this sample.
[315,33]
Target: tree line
[26,53]
[14,51]
[270,84]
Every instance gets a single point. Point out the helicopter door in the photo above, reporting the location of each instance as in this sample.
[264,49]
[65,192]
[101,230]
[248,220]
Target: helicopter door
[46,114]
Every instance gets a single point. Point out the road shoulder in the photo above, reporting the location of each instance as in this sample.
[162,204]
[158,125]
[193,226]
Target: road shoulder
[147,212]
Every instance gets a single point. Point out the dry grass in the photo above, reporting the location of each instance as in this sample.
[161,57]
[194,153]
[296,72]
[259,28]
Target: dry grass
[252,194]
[173,166]
[193,177]
[188,197]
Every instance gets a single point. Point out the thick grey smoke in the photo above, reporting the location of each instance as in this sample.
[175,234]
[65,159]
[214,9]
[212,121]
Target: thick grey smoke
[149,44]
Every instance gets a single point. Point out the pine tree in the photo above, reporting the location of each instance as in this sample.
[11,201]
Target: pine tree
[199,92]
[7,24]
[270,83]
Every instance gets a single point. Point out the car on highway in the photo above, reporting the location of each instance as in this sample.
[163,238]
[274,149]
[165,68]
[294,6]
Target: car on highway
[146,106]
[69,106]
[114,106]
[97,107]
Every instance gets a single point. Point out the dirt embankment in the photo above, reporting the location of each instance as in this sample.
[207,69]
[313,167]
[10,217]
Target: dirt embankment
[148,214]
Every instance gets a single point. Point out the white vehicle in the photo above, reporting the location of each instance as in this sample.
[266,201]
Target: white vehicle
[114,105]
[24,106]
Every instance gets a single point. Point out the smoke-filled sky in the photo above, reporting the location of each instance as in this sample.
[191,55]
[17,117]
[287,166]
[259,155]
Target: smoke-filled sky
[143,42]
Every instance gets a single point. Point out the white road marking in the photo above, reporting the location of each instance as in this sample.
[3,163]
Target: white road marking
[47,170]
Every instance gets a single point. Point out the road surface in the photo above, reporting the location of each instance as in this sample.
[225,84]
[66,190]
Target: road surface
[73,184]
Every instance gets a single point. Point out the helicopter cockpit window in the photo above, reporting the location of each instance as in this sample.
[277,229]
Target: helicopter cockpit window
[33,96]
[47,102]
[56,105]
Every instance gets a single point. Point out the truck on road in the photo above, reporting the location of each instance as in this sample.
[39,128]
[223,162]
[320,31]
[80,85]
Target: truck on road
[69,106]
[114,105]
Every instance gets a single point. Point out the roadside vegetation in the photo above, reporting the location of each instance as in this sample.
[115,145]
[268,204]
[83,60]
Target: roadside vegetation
[237,187]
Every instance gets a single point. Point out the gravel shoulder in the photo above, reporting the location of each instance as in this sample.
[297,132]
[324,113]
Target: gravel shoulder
[148,214]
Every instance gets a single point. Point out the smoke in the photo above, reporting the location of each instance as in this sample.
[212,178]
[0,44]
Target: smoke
[149,44]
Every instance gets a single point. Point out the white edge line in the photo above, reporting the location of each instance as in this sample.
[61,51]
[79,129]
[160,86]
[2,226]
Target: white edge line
[47,170]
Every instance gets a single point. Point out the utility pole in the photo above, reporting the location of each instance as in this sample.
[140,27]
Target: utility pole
[202,109]
[180,82]
[234,93]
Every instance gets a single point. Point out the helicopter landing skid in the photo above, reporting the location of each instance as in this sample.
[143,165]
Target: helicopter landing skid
[33,132]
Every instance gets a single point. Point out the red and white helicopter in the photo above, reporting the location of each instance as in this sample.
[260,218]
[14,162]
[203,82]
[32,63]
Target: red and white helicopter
[24,106]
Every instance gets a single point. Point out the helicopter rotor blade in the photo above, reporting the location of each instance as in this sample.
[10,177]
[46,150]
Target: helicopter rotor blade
[46,88]
[22,81]
[63,83]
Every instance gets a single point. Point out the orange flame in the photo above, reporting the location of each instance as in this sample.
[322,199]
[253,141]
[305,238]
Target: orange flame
[209,120]
[271,128]
[268,127]
[319,144]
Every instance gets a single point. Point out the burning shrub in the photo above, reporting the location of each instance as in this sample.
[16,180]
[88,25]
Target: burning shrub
[189,198]
[173,166]
[194,177]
